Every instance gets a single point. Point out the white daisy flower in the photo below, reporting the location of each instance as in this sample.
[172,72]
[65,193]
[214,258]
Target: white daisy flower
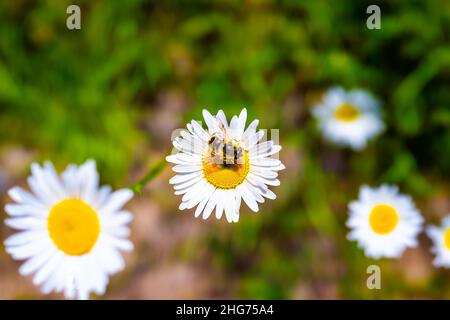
[384,222]
[349,118]
[72,231]
[219,167]
[441,240]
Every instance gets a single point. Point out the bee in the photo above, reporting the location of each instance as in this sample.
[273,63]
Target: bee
[225,152]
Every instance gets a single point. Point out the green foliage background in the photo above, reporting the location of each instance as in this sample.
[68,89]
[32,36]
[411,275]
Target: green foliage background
[73,95]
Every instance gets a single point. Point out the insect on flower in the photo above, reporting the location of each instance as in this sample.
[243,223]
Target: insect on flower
[218,167]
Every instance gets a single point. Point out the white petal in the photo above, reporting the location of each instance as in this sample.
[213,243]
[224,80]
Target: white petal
[234,127]
[239,131]
[270,182]
[230,205]
[70,180]
[210,205]
[117,200]
[222,118]
[184,177]
[44,186]
[89,181]
[24,237]
[54,180]
[101,197]
[247,196]
[199,131]
[251,130]
[183,158]
[121,244]
[221,200]
[268,194]
[117,219]
[179,168]
[278,168]
[28,250]
[35,262]
[109,258]
[43,194]
[264,172]
[211,122]
[195,190]
[254,139]
[189,148]
[205,193]
[22,196]
[26,223]
[188,183]
[200,207]
[191,139]
[47,269]
[16,210]
[265,162]
[256,192]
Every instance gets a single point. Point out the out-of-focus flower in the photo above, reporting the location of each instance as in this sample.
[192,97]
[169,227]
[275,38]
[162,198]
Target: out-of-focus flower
[72,231]
[384,222]
[349,118]
[441,241]
[219,167]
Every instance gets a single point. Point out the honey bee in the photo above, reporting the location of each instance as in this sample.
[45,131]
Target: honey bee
[225,152]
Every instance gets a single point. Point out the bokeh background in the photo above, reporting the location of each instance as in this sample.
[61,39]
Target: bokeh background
[115,90]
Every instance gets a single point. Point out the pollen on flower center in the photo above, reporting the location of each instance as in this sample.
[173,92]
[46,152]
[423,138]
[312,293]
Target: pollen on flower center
[447,238]
[226,168]
[383,219]
[347,112]
[73,226]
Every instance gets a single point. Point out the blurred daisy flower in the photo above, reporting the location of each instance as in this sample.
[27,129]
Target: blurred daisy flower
[218,167]
[71,231]
[384,222]
[441,240]
[349,118]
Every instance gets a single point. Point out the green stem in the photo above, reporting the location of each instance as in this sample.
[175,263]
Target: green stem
[152,173]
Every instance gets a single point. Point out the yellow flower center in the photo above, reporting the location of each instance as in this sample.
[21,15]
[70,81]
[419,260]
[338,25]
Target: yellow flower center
[73,226]
[347,112]
[447,238]
[383,219]
[226,176]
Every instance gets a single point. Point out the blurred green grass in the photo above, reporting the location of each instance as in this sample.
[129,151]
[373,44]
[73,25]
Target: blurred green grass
[73,95]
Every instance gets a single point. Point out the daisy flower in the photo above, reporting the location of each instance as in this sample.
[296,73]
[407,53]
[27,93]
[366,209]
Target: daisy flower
[441,240]
[384,222]
[349,118]
[71,231]
[218,167]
